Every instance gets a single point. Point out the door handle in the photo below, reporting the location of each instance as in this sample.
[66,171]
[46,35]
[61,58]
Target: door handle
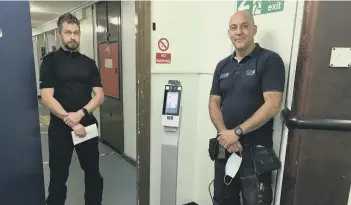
[0,33]
[295,122]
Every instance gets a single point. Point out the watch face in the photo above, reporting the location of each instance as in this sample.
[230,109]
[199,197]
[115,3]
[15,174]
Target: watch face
[238,131]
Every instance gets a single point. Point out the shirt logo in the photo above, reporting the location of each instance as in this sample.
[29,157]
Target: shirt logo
[250,72]
[223,75]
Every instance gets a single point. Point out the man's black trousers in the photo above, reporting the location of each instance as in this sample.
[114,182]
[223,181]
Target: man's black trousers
[255,190]
[60,154]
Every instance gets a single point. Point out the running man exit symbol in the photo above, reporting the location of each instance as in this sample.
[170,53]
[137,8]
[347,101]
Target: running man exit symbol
[258,7]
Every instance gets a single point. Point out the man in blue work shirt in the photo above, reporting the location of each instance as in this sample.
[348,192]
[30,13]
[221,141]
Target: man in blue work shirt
[246,94]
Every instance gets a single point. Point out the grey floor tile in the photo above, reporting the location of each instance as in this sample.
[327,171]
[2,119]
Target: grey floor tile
[119,177]
[119,182]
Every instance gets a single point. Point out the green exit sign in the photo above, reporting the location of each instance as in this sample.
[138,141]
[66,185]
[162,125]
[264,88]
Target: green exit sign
[258,7]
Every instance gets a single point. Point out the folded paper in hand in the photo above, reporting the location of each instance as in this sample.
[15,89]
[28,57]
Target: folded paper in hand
[91,132]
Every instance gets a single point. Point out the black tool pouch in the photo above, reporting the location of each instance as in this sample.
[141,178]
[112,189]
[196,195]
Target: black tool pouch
[264,159]
[213,148]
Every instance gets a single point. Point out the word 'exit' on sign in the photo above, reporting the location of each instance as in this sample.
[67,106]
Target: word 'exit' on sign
[258,7]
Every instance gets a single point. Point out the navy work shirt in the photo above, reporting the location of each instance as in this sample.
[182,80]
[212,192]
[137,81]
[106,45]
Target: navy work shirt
[73,76]
[241,86]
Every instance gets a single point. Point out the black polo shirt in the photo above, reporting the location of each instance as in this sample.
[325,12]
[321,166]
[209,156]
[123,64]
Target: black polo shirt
[241,86]
[73,76]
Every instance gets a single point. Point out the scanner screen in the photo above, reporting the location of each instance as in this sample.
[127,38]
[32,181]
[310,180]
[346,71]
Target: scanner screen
[172,103]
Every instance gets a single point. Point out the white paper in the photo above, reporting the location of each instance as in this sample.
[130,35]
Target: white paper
[91,132]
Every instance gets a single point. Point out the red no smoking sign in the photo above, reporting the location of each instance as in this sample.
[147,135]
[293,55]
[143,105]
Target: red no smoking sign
[163,58]
[163,44]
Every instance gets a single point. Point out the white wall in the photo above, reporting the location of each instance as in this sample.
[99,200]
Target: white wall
[129,76]
[51,41]
[87,37]
[197,43]
[195,49]
[36,63]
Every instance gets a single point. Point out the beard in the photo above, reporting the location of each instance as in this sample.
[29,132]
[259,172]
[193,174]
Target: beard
[72,45]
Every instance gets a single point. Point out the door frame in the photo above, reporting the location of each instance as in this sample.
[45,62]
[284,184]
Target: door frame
[143,99]
[305,20]
[299,21]
[97,42]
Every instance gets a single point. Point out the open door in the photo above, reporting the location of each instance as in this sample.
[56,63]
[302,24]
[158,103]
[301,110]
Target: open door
[318,166]
[108,14]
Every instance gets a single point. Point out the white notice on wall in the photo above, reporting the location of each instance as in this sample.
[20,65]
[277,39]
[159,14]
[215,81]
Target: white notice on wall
[108,63]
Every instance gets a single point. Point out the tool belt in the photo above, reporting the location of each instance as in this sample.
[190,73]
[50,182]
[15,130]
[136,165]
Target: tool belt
[263,158]
[213,148]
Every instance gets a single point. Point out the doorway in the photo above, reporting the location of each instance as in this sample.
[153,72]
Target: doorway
[108,22]
[317,166]
[119,173]
[25,188]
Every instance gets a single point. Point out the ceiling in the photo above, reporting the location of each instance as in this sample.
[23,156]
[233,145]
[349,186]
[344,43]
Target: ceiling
[45,11]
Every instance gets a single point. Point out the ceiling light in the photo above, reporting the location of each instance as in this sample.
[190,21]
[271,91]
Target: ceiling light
[41,10]
[115,21]
[100,29]
[35,9]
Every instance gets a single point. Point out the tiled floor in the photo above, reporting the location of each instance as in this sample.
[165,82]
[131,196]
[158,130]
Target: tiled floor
[119,175]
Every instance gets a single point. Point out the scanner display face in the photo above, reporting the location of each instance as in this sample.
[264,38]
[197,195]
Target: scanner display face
[171,102]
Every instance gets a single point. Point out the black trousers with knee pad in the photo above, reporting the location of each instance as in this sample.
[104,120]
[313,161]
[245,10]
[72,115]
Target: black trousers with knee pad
[254,189]
[60,154]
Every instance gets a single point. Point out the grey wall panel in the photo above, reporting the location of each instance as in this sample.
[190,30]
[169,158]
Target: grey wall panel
[21,170]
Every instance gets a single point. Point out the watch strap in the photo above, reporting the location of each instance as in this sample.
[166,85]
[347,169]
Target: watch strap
[238,131]
[85,111]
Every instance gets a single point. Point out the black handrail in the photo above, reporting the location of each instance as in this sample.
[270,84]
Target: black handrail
[315,123]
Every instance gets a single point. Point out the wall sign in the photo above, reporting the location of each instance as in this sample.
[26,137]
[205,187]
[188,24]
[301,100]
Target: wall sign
[163,58]
[259,7]
[163,46]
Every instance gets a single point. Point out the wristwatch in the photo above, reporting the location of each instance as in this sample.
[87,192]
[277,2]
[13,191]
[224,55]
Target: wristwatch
[85,111]
[238,131]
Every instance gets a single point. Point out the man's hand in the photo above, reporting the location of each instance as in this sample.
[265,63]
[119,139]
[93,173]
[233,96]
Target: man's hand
[227,138]
[73,118]
[79,130]
[236,147]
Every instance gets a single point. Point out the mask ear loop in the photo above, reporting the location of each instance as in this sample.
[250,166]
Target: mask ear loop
[227,183]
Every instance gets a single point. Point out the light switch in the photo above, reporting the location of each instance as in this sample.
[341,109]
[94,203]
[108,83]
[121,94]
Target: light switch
[340,58]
